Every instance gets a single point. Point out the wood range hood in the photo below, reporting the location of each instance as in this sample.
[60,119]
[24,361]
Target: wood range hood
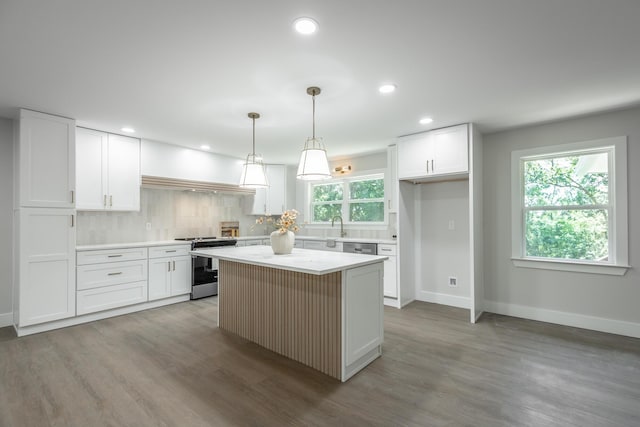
[189,185]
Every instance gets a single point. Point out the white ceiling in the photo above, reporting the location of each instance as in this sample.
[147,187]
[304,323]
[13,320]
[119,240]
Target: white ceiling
[188,72]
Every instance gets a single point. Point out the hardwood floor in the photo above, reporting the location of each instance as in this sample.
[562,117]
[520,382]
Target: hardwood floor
[172,366]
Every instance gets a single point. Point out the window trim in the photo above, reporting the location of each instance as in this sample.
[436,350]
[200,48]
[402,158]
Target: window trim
[372,174]
[618,241]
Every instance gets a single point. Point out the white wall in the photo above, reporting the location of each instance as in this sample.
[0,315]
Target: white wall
[6,220]
[444,237]
[602,302]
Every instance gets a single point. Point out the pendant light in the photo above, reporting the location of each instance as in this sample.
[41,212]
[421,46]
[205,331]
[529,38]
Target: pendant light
[313,159]
[253,173]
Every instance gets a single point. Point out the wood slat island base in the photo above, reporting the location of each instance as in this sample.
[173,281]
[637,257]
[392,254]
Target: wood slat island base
[329,321]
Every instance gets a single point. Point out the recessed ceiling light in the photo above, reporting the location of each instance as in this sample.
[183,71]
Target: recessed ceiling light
[387,88]
[305,25]
[426,120]
[128,130]
[205,147]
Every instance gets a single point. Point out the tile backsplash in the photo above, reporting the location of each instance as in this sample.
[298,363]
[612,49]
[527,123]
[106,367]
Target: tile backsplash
[173,213]
[170,214]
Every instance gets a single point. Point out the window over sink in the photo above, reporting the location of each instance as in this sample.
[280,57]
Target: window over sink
[357,199]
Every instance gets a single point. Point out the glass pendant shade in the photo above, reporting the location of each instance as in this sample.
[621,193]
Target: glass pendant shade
[314,164]
[253,173]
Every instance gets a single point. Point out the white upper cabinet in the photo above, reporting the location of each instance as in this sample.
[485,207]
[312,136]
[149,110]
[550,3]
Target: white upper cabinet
[436,153]
[108,171]
[46,161]
[272,200]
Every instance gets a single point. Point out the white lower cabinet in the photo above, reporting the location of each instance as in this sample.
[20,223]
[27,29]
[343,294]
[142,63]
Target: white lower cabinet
[169,275]
[104,282]
[45,278]
[390,270]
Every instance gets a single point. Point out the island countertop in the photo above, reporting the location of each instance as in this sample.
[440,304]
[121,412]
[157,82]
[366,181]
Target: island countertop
[300,260]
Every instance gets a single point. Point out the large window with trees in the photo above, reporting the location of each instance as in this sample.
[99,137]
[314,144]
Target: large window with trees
[570,204]
[358,200]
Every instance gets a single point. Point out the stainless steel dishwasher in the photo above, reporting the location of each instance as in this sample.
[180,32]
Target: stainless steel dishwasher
[360,248]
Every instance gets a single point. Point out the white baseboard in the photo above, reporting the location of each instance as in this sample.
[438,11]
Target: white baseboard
[392,302]
[6,319]
[601,324]
[63,323]
[446,299]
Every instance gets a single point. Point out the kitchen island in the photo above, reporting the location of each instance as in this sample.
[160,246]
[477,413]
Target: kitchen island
[322,309]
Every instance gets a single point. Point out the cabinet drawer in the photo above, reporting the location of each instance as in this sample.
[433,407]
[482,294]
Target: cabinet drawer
[107,297]
[386,249]
[111,273]
[110,255]
[169,251]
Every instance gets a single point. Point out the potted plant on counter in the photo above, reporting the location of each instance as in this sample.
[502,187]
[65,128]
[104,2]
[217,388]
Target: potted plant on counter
[283,238]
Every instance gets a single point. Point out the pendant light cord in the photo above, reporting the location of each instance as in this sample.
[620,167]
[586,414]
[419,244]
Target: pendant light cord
[313,98]
[254,136]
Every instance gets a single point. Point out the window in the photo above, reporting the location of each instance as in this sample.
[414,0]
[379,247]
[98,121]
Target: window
[570,206]
[358,200]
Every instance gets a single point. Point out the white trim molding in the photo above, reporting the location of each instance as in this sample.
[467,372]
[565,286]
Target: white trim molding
[6,319]
[578,267]
[445,299]
[612,326]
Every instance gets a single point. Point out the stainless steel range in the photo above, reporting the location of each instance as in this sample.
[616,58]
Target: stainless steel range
[204,271]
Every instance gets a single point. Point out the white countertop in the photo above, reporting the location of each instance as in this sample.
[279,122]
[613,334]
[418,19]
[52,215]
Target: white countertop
[132,245]
[300,260]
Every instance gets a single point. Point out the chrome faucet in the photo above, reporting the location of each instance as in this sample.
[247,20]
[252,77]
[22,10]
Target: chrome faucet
[342,232]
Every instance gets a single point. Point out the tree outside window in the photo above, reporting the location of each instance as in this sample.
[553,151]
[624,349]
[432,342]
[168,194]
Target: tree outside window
[356,200]
[567,205]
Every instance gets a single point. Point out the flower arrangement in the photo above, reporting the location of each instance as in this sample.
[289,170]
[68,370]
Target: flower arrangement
[286,222]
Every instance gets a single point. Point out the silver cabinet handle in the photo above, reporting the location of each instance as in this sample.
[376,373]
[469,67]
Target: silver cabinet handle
[168,265]
[114,256]
[110,201]
[385,250]
[174,266]
[171,251]
[104,202]
[427,166]
[73,198]
[432,169]
[115,274]
[72,221]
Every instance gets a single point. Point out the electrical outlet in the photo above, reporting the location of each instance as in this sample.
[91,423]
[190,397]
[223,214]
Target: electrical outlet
[453,282]
[148,226]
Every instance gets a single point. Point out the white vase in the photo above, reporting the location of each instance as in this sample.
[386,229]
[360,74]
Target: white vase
[282,243]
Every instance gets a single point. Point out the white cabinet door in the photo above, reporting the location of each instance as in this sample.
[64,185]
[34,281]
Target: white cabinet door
[390,281]
[109,173]
[450,150]
[272,200]
[414,155]
[124,173]
[46,273]
[435,153]
[91,169]
[159,278]
[259,206]
[46,160]
[391,179]
[276,195]
[181,275]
